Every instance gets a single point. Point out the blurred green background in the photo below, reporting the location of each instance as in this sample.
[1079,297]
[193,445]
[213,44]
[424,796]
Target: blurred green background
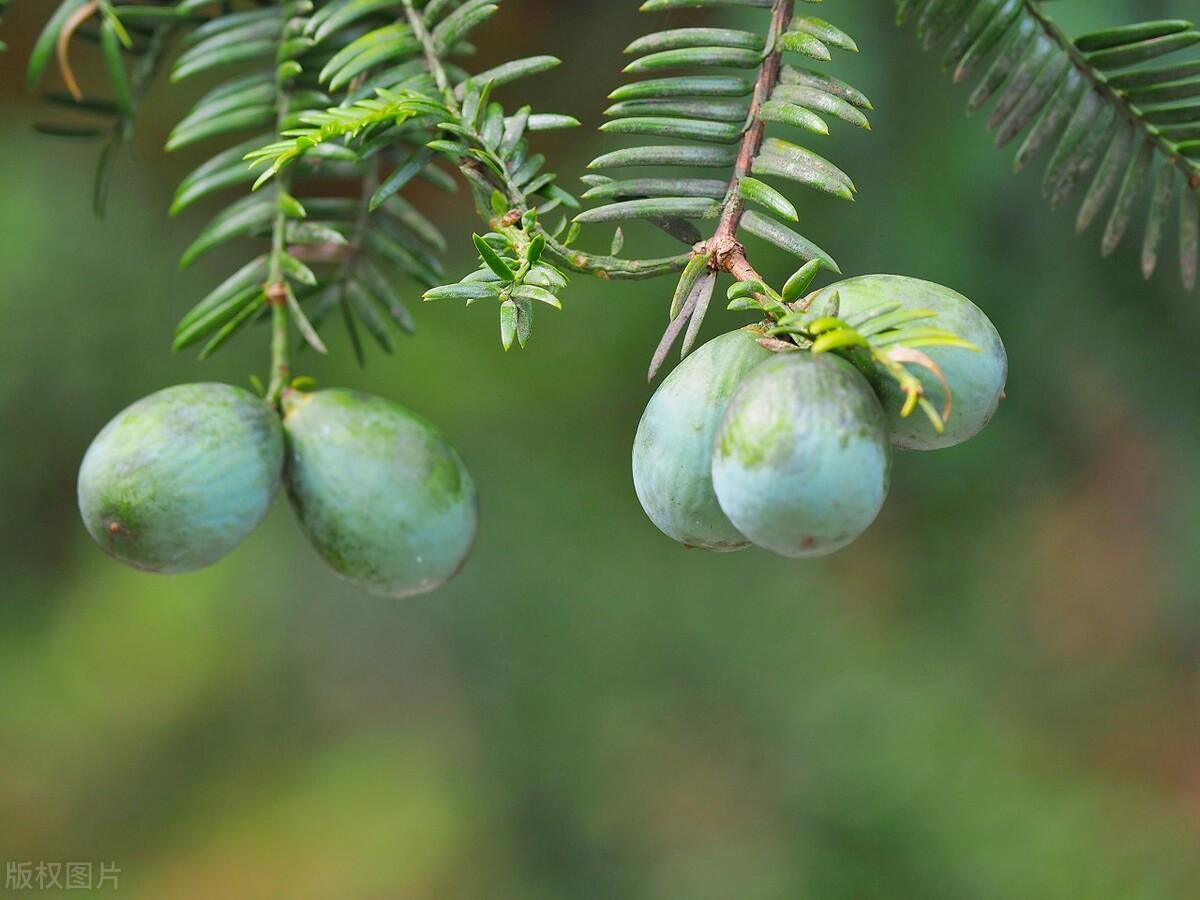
[992,695]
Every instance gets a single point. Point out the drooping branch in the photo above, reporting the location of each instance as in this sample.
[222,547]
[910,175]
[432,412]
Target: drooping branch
[1105,103]
[1125,109]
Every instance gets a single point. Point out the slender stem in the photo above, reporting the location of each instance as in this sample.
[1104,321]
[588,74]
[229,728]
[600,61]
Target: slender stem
[276,289]
[605,267]
[276,292]
[432,61]
[612,267]
[280,370]
[737,265]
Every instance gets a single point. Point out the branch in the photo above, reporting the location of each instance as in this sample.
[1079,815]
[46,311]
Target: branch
[1098,101]
[1099,83]
[276,290]
[613,267]
[433,62]
[768,77]
[709,109]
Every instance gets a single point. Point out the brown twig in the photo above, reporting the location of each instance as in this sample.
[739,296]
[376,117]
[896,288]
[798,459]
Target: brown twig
[724,250]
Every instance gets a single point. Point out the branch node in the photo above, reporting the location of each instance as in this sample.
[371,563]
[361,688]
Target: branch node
[724,252]
[276,293]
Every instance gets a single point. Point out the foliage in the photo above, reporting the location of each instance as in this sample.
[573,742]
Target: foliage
[326,253]
[728,115]
[1108,99]
[882,341]
[362,92]
[451,117]
[133,42]
[368,95]
[819,713]
[513,272]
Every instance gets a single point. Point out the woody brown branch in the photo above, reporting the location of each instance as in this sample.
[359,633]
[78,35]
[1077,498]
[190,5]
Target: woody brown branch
[724,250]
[768,75]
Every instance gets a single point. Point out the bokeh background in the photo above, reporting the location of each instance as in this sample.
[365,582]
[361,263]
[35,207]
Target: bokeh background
[992,695]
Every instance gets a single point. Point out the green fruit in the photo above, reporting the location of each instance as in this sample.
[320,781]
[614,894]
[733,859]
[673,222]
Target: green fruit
[382,496]
[181,477]
[976,378]
[672,452]
[801,461]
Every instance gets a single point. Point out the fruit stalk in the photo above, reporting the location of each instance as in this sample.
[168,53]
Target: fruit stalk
[276,288]
[276,294]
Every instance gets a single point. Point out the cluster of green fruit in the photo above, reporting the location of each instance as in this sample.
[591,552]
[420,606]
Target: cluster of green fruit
[741,444]
[181,477]
[791,451]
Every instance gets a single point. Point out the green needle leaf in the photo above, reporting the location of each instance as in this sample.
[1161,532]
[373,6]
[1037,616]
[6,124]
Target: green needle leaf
[493,261]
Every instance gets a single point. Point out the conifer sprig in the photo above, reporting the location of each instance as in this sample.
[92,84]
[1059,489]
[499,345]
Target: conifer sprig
[1120,108]
[718,121]
[370,95]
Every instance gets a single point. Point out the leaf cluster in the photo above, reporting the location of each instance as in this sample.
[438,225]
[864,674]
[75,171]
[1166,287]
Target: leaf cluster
[714,112]
[322,253]
[333,108]
[447,115]
[713,119]
[883,342]
[513,272]
[1118,105]
[345,103]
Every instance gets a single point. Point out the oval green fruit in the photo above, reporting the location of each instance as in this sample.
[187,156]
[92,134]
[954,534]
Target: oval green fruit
[382,496]
[801,461]
[181,477]
[976,378]
[672,452]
